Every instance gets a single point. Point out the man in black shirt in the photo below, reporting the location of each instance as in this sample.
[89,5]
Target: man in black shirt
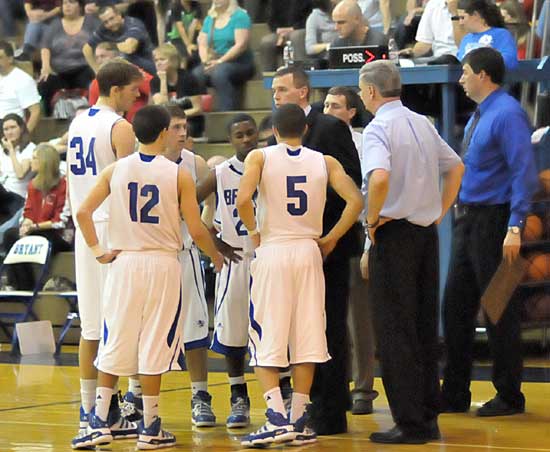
[352,27]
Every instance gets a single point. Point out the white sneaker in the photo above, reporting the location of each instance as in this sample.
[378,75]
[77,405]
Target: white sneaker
[153,437]
[277,429]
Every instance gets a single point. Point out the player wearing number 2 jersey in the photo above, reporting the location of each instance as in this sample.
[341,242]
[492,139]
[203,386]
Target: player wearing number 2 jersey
[287,315]
[142,331]
[97,137]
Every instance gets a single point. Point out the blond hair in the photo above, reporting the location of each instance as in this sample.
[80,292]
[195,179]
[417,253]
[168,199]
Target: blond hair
[231,8]
[169,51]
[48,175]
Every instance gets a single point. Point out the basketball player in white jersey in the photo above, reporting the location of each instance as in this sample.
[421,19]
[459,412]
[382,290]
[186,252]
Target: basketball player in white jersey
[142,331]
[97,138]
[232,301]
[287,315]
[195,309]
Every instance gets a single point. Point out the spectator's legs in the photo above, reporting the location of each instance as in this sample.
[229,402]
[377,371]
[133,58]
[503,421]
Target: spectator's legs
[33,35]
[270,53]
[227,79]
[145,11]
[298,39]
[7,18]
[79,78]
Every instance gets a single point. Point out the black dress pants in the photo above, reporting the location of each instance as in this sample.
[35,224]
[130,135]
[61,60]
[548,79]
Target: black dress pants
[476,254]
[403,291]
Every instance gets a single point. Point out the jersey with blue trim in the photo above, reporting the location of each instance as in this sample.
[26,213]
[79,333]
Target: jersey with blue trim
[292,194]
[187,161]
[90,151]
[145,213]
[226,219]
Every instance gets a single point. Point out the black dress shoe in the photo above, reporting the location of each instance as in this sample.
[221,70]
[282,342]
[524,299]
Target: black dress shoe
[498,407]
[361,406]
[446,406]
[397,436]
[433,433]
[325,426]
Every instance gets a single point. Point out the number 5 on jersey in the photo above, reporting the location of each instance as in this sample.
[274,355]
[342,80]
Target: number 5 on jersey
[84,162]
[298,208]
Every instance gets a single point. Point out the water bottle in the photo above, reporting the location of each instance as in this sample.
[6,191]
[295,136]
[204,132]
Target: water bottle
[393,51]
[288,54]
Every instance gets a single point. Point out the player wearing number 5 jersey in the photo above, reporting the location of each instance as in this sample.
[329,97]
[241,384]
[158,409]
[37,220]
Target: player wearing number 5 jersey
[142,330]
[287,314]
[97,137]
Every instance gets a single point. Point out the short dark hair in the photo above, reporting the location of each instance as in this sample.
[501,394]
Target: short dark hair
[175,111]
[266,123]
[117,72]
[7,48]
[240,117]
[352,98]
[488,11]
[290,121]
[81,6]
[299,77]
[105,8]
[149,122]
[489,60]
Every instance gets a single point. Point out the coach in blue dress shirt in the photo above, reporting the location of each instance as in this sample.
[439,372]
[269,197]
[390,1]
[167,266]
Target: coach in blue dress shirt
[497,187]
[403,159]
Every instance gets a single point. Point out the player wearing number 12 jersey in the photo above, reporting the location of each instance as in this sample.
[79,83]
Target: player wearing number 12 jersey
[97,137]
[287,305]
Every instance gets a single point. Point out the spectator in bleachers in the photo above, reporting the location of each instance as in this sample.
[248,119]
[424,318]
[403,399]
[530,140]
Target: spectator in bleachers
[11,10]
[42,214]
[224,50]
[177,85]
[320,29]
[18,93]
[107,51]
[39,13]
[93,6]
[63,63]
[515,18]
[129,35]
[541,26]
[377,13]
[484,26]
[186,17]
[408,25]
[352,28]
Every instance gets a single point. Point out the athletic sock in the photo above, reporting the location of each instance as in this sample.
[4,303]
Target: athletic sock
[102,402]
[134,386]
[274,400]
[298,407]
[150,409]
[238,387]
[197,386]
[87,394]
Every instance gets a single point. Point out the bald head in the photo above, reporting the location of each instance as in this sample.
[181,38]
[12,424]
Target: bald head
[348,18]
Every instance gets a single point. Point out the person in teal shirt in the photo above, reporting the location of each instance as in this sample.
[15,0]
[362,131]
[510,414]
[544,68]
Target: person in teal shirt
[227,61]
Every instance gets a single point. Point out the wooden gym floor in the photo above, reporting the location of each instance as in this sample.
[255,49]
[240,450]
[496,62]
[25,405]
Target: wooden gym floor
[39,412]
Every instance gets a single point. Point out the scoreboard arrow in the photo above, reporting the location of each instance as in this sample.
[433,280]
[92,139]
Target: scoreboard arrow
[370,56]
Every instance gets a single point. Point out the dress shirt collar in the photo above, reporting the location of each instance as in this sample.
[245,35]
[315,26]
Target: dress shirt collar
[486,103]
[307,110]
[387,107]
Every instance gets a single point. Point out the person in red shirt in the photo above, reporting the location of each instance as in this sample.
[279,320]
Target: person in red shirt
[106,51]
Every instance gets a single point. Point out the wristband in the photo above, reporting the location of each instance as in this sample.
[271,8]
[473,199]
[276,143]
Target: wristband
[98,251]
[253,231]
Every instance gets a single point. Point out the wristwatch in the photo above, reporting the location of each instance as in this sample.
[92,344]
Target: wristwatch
[514,229]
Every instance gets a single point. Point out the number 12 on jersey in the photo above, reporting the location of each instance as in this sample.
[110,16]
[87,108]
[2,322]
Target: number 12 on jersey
[299,207]
[148,190]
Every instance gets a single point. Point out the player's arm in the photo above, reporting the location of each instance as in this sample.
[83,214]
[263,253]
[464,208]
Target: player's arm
[207,185]
[190,212]
[84,216]
[123,139]
[253,166]
[345,187]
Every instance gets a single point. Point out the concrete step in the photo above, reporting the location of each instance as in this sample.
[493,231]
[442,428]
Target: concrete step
[256,97]
[216,123]
[257,33]
[207,150]
[49,128]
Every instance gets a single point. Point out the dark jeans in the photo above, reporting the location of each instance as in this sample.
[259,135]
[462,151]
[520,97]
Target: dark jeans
[403,291]
[145,11]
[476,254]
[11,9]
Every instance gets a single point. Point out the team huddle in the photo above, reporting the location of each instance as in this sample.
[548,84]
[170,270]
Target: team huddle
[139,276]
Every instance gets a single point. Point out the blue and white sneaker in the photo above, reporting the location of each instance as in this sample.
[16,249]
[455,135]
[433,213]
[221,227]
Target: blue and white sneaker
[240,412]
[131,407]
[201,410]
[277,429]
[121,428]
[304,434]
[83,420]
[153,437]
[96,434]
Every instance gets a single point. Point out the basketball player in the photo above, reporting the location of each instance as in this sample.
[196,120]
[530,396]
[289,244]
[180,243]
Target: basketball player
[147,194]
[287,314]
[232,300]
[195,309]
[98,137]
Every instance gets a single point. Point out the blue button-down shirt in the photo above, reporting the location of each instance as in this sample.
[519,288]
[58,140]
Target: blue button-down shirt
[407,145]
[500,162]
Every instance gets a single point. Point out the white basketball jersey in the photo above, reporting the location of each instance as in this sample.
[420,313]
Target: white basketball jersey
[187,161]
[292,194]
[90,151]
[145,212]
[226,220]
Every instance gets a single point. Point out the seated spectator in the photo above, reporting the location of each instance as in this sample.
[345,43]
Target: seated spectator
[186,17]
[352,28]
[516,20]
[129,35]
[320,29]
[176,85]
[63,64]
[40,13]
[42,214]
[107,51]
[93,6]
[18,93]
[377,14]
[224,50]
[408,25]
[484,26]
[11,10]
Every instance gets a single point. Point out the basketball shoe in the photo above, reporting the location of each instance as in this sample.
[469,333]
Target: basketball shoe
[201,410]
[277,429]
[153,437]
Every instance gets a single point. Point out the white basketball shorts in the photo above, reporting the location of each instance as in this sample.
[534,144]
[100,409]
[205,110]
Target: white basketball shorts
[287,305]
[142,328]
[90,279]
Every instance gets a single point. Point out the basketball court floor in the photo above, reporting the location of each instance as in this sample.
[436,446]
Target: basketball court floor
[39,402]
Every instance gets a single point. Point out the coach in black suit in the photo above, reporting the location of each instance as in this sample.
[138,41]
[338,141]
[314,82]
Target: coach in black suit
[330,136]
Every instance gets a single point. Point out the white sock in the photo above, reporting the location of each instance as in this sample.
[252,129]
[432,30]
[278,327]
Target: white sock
[237,380]
[150,409]
[286,373]
[274,400]
[197,386]
[134,386]
[102,402]
[87,394]
[298,407]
